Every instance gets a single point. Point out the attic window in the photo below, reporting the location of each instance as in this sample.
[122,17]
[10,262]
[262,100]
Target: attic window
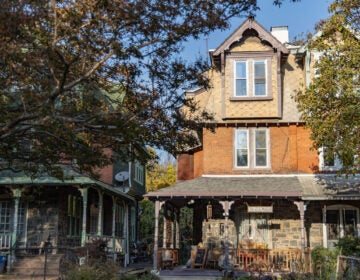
[251,78]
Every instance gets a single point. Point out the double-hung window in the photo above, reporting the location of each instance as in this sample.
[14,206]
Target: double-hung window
[241,78]
[251,78]
[259,78]
[252,148]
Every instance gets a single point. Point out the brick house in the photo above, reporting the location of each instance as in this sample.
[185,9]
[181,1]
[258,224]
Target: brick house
[69,213]
[254,184]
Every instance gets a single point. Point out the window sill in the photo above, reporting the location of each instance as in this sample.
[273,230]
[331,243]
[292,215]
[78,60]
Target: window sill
[251,98]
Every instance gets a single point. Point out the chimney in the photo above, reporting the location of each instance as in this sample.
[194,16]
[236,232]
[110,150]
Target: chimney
[281,33]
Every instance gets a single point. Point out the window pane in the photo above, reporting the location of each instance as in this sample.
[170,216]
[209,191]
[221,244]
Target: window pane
[260,88]
[241,139]
[241,88]
[242,148]
[260,157]
[260,139]
[260,148]
[242,157]
[259,69]
[259,78]
[241,69]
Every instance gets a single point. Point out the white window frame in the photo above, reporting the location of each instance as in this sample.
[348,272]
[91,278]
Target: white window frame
[251,148]
[240,78]
[250,78]
[254,79]
[237,148]
[337,163]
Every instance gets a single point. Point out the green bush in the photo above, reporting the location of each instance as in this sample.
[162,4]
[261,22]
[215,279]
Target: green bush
[349,246]
[324,263]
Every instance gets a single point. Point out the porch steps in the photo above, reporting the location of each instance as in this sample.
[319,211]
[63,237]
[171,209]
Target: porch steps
[32,267]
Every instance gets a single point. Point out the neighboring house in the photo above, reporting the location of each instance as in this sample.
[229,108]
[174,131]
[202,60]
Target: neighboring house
[254,182]
[72,212]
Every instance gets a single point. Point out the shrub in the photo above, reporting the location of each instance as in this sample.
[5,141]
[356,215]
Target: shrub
[324,262]
[97,271]
[349,246]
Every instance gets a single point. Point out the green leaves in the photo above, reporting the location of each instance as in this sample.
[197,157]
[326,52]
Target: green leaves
[80,77]
[330,106]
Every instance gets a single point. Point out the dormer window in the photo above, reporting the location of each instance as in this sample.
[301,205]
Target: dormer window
[251,78]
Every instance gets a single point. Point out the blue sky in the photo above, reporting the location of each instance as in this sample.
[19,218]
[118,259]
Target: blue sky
[300,17]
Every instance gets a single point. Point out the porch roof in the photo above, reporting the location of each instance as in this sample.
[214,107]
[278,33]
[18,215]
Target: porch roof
[330,187]
[305,187]
[232,186]
[71,177]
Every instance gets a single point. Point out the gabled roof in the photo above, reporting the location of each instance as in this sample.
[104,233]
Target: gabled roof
[250,24]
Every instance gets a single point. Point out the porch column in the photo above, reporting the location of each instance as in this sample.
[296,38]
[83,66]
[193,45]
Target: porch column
[126,233]
[17,195]
[302,208]
[158,205]
[324,227]
[84,194]
[177,229]
[172,234]
[226,206]
[164,232]
[113,225]
[100,215]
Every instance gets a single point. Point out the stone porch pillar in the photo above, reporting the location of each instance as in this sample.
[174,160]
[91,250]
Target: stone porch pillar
[84,194]
[226,206]
[302,208]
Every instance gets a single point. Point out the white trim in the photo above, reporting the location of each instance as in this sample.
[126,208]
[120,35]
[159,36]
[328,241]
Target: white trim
[247,147]
[251,148]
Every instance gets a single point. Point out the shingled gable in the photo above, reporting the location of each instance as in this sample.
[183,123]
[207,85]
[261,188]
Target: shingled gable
[250,24]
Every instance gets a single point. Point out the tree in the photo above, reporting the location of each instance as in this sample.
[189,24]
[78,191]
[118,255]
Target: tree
[78,77]
[330,104]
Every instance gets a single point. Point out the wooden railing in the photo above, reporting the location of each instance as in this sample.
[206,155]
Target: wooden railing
[269,259]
